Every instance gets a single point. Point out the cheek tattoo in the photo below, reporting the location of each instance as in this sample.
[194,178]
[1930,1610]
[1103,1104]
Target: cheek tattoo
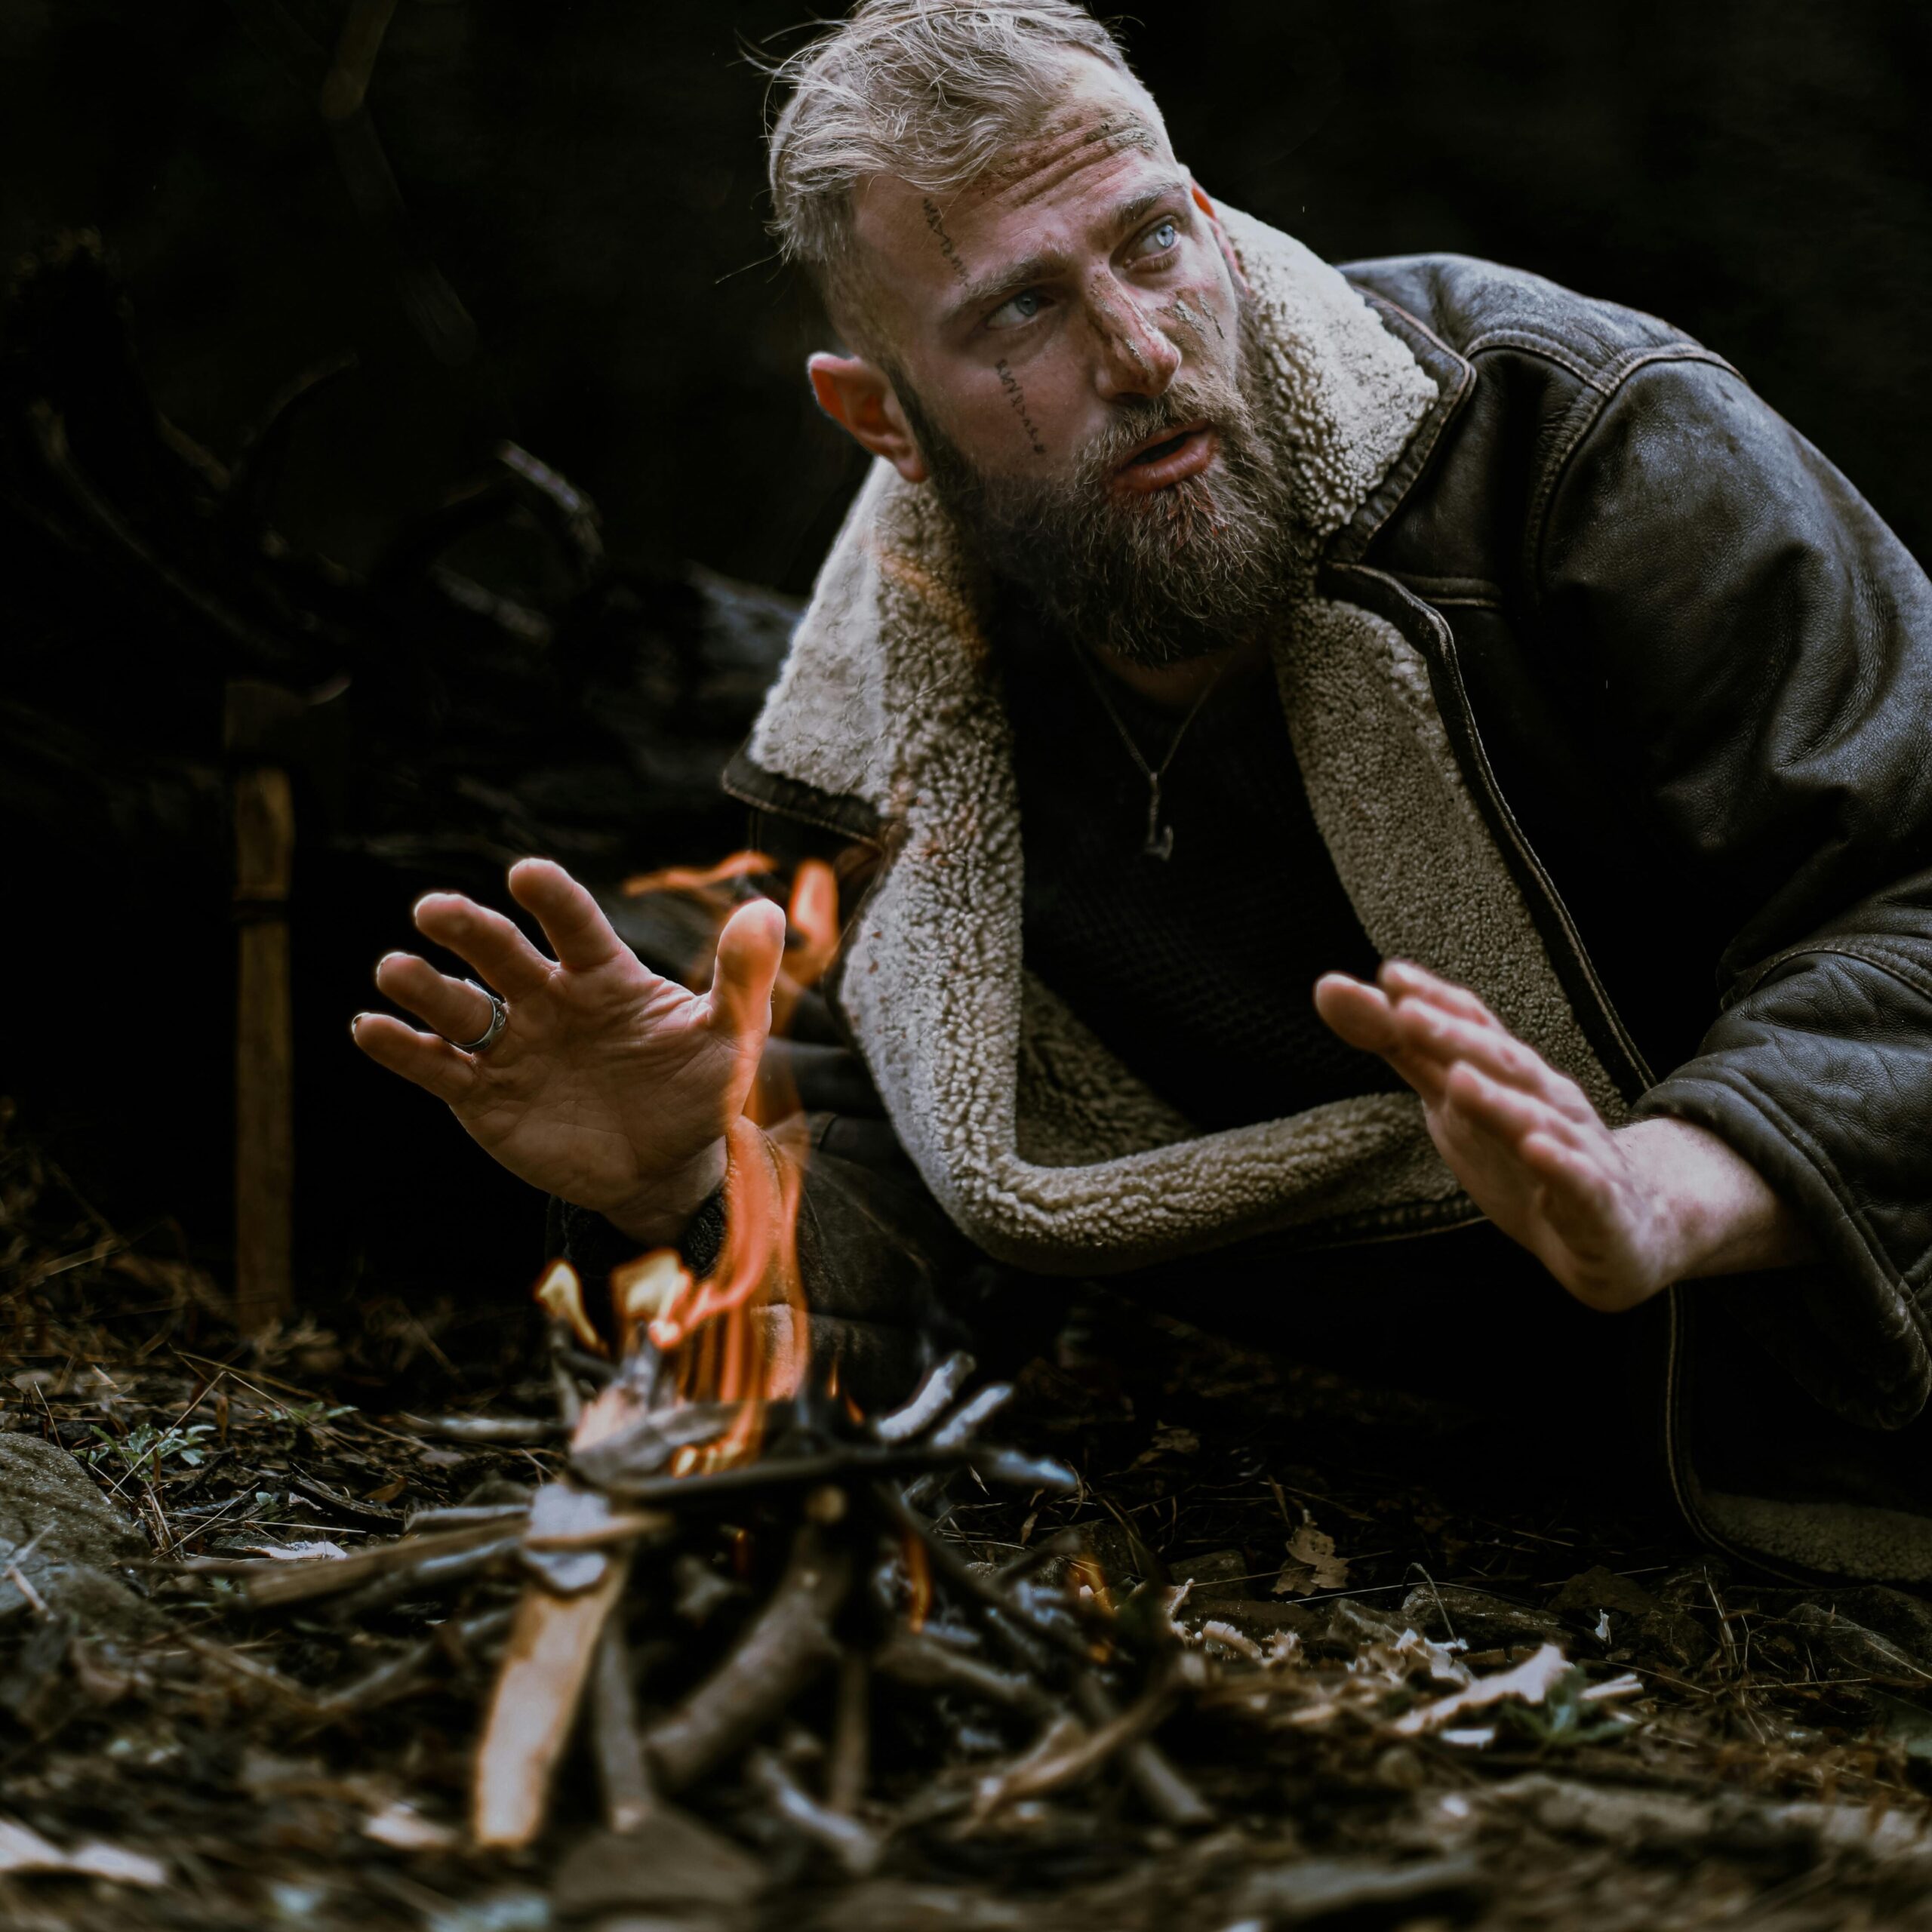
[1017,396]
[1196,320]
[936,223]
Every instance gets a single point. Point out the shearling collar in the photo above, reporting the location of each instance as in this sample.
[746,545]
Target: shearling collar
[1040,1144]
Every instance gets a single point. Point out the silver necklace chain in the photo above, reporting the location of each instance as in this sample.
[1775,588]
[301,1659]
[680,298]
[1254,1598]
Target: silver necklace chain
[1159,843]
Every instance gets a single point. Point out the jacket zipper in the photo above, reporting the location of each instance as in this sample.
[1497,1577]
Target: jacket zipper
[1502,823]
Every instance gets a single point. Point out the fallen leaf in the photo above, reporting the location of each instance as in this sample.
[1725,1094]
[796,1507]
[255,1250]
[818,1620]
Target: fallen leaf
[1311,1564]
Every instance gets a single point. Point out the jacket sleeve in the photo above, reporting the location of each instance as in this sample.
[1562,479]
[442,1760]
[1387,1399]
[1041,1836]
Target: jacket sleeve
[1757,646]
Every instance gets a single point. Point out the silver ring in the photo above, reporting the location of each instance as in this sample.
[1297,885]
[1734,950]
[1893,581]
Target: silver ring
[499,1015]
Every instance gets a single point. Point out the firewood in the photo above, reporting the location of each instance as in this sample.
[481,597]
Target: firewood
[552,1646]
[857,1850]
[782,1649]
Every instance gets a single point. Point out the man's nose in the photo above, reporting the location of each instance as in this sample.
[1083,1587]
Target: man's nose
[1136,358]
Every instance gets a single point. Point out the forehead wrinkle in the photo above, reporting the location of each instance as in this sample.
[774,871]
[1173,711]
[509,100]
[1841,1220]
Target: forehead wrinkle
[1066,143]
[1044,266]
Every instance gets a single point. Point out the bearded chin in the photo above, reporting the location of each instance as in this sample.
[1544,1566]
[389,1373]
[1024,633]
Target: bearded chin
[1157,578]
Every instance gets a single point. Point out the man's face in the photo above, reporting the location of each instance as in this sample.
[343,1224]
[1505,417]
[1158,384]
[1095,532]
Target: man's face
[1067,340]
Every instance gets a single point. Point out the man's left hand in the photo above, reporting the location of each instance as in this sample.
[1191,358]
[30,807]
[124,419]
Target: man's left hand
[1614,1215]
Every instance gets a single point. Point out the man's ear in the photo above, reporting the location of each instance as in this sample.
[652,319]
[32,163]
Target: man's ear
[1226,246]
[857,395]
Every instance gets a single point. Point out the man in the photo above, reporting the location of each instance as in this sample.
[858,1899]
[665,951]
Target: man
[1286,620]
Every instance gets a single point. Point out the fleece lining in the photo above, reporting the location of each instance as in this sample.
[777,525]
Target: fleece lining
[1040,1144]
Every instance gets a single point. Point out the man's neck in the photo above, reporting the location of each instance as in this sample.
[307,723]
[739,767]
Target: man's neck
[1174,686]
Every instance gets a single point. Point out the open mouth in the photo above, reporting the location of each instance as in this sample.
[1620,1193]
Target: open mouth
[1181,454]
[1160,449]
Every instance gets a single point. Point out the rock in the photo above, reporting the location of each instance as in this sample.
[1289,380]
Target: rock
[1895,1615]
[1350,1623]
[1635,1615]
[1856,1651]
[83,1542]
[1483,1622]
[669,1859]
[1220,1576]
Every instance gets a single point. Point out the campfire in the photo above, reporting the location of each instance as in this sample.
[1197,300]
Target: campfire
[729,1519]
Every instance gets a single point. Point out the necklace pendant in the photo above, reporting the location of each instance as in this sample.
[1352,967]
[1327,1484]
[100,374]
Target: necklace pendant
[1159,843]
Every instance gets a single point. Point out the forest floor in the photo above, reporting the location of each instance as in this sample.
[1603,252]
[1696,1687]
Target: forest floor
[1693,1749]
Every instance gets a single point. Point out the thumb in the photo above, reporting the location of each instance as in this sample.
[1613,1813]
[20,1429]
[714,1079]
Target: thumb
[750,949]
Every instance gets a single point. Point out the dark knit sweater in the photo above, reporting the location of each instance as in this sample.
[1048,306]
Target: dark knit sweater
[1197,970]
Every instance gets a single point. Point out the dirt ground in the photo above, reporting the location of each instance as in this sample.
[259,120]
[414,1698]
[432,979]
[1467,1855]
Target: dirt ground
[1684,1747]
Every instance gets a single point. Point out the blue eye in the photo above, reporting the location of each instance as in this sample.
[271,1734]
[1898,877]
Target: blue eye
[1023,308]
[1165,237]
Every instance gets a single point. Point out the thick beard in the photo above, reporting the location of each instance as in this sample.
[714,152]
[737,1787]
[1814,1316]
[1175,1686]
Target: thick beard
[1158,578]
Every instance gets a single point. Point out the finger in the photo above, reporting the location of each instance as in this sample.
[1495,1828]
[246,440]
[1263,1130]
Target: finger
[432,1064]
[485,940]
[1364,1016]
[572,920]
[452,1007]
[749,951]
[1428,1033]
[1506,1113]
[1404,978]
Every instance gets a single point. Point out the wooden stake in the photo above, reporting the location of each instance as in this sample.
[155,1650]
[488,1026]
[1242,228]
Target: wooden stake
[265,1051]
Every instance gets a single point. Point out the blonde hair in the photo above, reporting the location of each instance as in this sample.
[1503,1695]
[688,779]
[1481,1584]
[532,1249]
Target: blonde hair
[928,91]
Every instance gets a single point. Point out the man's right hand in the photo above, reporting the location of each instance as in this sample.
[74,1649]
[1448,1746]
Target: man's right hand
[607,1085]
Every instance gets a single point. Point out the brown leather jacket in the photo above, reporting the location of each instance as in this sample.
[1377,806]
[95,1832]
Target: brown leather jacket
[1686,672]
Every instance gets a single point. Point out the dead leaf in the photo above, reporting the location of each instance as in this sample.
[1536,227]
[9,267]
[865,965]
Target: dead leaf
[1311,1564]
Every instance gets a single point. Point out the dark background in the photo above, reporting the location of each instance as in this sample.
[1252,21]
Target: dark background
[580,265]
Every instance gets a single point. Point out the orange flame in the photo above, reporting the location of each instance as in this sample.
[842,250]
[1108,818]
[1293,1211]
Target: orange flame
[813,912]
[740,1334]
[695,879]
[919,1582]
[562,1294]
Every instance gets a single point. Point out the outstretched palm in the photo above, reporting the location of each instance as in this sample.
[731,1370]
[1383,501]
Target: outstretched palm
[608,1085]
[1523,1139]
